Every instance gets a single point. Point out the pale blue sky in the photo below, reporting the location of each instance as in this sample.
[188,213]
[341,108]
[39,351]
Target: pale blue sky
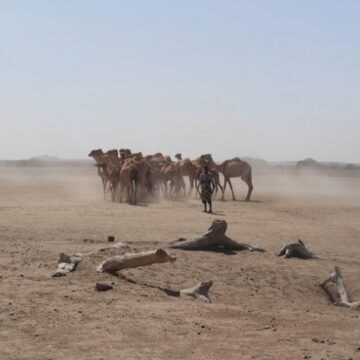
[278,80]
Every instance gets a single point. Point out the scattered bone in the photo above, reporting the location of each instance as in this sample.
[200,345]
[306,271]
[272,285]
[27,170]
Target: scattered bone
[214,239]
[199,291]
[133,260]
[103,287]
[297,250]
[66,263]
[337,279]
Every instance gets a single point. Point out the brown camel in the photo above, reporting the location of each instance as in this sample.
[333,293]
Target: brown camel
[98,156]
[142,175]
[216,178]
[124,153]
[113,166]
[129,180]
[230,169]
[199,163]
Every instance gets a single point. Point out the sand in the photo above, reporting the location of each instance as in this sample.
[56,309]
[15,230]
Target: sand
[264,307]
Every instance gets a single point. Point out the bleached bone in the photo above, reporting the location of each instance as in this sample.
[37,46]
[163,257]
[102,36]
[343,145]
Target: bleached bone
[337,279]
[199,291]
[66,263]
[133,260]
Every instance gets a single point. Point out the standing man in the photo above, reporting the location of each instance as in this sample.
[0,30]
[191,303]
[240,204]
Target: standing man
[206,181]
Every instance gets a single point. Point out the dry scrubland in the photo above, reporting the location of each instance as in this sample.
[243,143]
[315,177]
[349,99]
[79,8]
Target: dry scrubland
[264,307]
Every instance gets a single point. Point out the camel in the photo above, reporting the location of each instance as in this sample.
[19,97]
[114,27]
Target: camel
[113,166]
[98,155]
[199,164]
[187,168]
[136,173]
[144,174]
[230,169]
[164,171]
[156,178]
[124,154]
[128,180]
[170,172]
[216,178]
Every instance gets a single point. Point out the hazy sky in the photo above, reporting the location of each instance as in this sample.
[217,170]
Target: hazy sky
[279,80]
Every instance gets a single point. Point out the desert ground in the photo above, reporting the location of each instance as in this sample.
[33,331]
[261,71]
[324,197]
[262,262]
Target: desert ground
[263,306]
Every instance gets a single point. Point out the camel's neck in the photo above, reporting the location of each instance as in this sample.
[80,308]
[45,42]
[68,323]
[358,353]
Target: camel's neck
[214,165]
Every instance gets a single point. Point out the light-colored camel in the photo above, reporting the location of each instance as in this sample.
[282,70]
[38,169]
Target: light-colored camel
[187,168]
[230,169]
[98,156]
[165,173]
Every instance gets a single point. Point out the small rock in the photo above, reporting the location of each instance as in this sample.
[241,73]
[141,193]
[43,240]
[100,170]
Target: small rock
[111,238]
[103,287]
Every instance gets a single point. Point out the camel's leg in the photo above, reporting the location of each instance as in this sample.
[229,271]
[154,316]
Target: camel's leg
[224,188]
[196,186]
[248,182]
[221,188]
[128,193]
[134,191]
[113,191]
[117,191]
[191,181]
[121,190]
[232,190]
[215,192]
[165,189]
[103,179]
[183,186]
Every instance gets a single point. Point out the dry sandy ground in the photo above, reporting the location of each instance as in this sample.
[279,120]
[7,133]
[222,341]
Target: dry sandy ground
[264,307]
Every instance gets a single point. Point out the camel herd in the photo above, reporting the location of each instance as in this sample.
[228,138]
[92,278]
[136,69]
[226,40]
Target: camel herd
[137,177]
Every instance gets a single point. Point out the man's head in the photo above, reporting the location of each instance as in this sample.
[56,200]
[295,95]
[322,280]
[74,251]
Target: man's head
[206,169]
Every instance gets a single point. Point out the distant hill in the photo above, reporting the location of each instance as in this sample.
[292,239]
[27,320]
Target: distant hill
[47,158]
[47,161]
[329,168]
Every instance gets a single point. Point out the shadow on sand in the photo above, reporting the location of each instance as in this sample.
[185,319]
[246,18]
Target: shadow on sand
[168,292]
